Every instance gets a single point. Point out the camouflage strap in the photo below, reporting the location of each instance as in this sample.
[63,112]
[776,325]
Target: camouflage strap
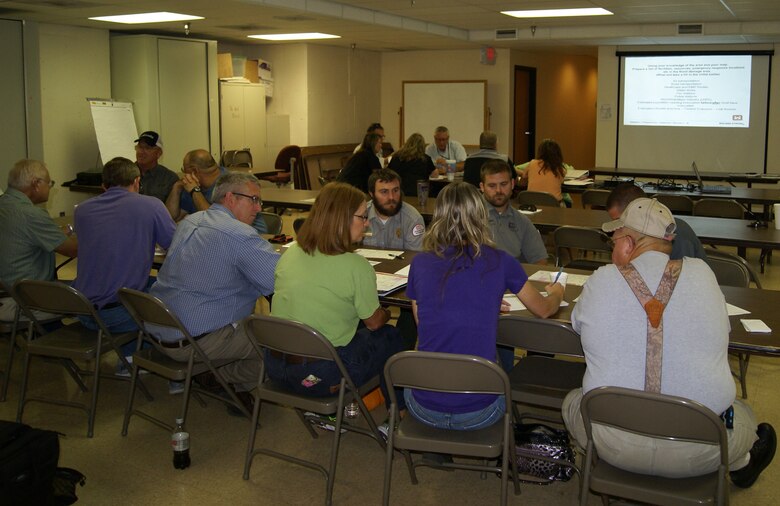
[654,306]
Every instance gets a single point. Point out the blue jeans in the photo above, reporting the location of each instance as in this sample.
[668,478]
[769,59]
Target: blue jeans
[118,321]
[473,420]
[364,357]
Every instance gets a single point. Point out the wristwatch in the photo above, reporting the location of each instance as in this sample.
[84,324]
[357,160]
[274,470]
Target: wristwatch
[196,189]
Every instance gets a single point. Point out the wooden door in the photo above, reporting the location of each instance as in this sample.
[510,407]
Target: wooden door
[524,114]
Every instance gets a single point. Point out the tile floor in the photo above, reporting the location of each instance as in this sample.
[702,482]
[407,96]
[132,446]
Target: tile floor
[137,469]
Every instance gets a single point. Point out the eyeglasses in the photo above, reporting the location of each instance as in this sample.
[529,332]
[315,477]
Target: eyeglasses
[50,184]
[614,240]
[254,198]
[363,217]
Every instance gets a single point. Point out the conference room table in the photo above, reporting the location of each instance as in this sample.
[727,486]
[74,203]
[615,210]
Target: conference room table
[762,305]
[734,177]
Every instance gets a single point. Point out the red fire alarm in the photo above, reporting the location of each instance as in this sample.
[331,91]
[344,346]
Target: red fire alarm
[488,56]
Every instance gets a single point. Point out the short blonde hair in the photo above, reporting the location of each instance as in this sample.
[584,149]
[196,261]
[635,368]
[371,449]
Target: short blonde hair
[327,228]
[460,221]
[25,172]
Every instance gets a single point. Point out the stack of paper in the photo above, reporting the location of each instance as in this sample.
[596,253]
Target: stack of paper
[387,283]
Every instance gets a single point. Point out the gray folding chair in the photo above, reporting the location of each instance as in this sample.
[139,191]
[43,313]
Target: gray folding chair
[677,204]
[242,158]
[451,373]
[147,309]
[537,199]
[719,208]
[733,270]
[68,343]
[293,338]
[657,416]
[273,222]
[568,239]
[596,199]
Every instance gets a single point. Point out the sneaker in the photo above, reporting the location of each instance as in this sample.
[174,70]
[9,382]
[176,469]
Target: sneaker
[760,456]
[124,372]
[175,387]
[384,429]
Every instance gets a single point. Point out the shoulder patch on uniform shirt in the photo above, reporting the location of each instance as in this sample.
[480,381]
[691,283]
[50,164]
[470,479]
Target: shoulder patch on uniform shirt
[418,230]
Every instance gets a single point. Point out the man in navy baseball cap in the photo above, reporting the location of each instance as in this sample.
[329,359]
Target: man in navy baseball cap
[156,180]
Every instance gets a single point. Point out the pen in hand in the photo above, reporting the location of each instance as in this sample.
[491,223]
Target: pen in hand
[560,271]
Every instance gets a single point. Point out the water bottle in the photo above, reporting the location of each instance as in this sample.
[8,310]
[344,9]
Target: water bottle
[352,410]
[180,440]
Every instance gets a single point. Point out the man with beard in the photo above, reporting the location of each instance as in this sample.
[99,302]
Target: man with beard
[393,224]
[512,231]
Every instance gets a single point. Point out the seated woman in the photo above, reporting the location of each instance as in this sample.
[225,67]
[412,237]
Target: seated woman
[546,172]
[319,281]
[456,285]
[360,165]
[412,164]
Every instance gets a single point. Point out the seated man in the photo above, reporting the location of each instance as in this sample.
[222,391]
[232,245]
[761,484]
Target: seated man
[393,223]
[193,191]
[685,242]
[443,149]
[29,235]
[156,180]
[512,231]
[692,344]
[118,231]
[216,268]
[488,141]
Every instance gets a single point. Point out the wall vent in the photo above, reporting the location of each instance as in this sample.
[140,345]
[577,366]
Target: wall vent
[509,33]
[690,29]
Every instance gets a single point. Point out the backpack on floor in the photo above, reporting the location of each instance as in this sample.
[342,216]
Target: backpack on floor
[28,463]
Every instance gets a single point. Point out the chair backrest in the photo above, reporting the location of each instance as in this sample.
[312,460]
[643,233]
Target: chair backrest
[536,334]
[677,204]
[731,270]
[226,159]
[242,158]
[286,154]
[567,237]
[537,199]
[287,336]
[654,415]
[145,308]
[51,297]
[272,221]
[445,372]
[595,198]
[719,208]
[298,223]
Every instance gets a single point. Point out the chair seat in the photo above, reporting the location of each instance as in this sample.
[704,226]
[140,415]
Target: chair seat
[157,362]
[544,381]
[586,265]
[277,393]
[412,434]
[74,342]
[278,178]
[653,489]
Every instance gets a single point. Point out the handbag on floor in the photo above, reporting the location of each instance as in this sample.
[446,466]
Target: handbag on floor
[539,449]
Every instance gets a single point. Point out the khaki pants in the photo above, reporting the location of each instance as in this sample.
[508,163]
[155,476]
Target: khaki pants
[229,342]
[660,457]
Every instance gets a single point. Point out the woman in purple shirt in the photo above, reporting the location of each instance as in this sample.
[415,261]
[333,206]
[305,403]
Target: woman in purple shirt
[456,285]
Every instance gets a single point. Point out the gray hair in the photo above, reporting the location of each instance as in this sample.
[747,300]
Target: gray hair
[119,172]
[25,172]
[488,140]
[231,182]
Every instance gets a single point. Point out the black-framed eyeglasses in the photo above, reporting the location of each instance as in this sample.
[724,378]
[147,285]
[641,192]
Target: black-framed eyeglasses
[50,184]
[363,217]
[254,198]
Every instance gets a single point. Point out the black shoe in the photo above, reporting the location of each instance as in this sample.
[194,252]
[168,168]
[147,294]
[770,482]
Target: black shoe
[437,460]
[208,382]
[760,456]
[246,399]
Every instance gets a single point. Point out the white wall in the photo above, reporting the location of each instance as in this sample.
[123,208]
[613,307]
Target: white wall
[608,96]
[72,64]
[455,65]
[13,125]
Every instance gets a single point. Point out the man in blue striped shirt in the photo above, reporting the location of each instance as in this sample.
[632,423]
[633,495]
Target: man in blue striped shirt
[216,268]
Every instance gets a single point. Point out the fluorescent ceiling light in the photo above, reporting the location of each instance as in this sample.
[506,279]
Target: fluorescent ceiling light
[295,36]
[558,13]
[147,17]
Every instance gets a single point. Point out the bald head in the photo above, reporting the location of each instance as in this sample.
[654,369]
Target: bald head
[199,160]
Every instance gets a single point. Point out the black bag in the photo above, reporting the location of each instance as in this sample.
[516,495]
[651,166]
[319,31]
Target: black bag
[65,480]
[28,462]
[536,440]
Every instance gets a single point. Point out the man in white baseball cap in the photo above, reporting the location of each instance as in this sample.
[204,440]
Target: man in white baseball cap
[659,325]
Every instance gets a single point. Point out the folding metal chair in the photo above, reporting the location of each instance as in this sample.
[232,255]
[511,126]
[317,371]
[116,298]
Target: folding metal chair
[583,239]
[537,199]
[677,204]
[452,373]
[596,199]
[147,309]
[69,343]
[273,222]
[295,338]
[657,416]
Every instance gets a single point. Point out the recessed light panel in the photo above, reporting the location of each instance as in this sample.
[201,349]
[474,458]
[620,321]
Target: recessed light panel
[294,36]
[558,13]
[147,17]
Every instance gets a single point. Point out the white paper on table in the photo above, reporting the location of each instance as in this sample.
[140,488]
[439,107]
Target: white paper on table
[578,182]
[735,311]
[516,305]
[288,244]
[380,254]
[403,271]
[309,201]
[573,279]
[386,283]
[756,326]
[530,212]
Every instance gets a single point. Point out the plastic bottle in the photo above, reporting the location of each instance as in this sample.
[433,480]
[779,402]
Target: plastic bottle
[352,410]
[180,440]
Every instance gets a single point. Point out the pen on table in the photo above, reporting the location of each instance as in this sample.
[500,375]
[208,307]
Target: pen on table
[398,257]
[560,271]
